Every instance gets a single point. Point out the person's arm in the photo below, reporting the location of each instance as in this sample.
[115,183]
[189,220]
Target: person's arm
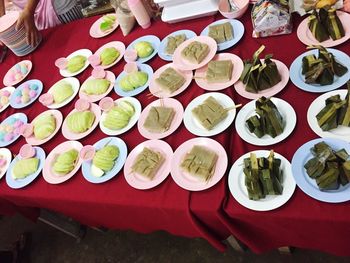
[2,7]
[27,19]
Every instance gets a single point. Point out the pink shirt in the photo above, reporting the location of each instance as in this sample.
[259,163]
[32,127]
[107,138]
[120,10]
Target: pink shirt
[45,15]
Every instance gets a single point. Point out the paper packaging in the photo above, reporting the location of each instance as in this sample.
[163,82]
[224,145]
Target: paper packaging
[271,18]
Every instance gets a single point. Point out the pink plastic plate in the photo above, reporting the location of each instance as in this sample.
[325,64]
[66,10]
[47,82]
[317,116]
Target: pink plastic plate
[306,37]
[95,31]
[157,91]
[7,80]
[92,98]
[48,174]
[116,44]
[187,181]
[236,73]
[59,119]
[77,136]
[177,120]
[185,64]
[138,181]
[284,72]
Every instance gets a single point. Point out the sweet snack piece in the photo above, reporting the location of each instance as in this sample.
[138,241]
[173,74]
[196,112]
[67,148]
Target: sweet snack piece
[107,23]
[133,80]
[11,129]
[65,162]
[170,80]
[147,163]
[159,119]
[80,121]
[104,158]
[263,176]
[109,55]
[76,63]
[317,28]
[27,151]
[44,126]
[25,167]
[209,113]
[4,98]
[3,162]
[96,86]
[144,49]
[19,71]
[200,162]
[195,52]
[221,33]
[219,71]
[119,116]
[173,42]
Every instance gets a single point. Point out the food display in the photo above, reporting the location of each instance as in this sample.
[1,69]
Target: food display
[267,121]
[133,80]
[104,160]
[76,63]
[19,71]
[61,91]
[325,23]
[328,167]
[4,98]
[195,52]
[336,112]
[80,121]
[96,86]
[119,116]
[27,93]
[221,32]
[323,69]
[173,42]
[200,162]
[159,119]
[258,75]
[219,71]
[144,49]
[209,113]
[109,55]
[11,129]
[170,80]
[44,126]
[65,162]
[147,163]
[25,167]
[107,23]
[263,176]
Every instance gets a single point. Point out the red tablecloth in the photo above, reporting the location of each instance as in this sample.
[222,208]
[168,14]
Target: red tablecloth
[115,204]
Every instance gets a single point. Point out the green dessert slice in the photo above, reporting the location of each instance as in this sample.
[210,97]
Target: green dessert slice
[76,63]
[159,119]
[195,52]
[61,91]
[144,49]
[221,33]
[133,81]
[200,162]
[107,23]
[170,80]
[65,162]
[44,126]
[147,163]
[25,167]
[96,86]
[80,121]
[109,55]
[173,42]
[209,113]
[219,71]
[104,158]
[119,116]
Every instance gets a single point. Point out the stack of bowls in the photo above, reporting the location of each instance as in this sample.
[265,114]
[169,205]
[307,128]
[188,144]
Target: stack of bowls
[16,40]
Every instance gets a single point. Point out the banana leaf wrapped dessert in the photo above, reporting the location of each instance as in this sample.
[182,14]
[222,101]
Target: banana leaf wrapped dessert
[25,167]
[317,28]
[61,91]
[267,121]
[219,71]
[263,176]
[147,163]
[210,113]
[195,52]
[173,42]
[170,80]
[259,75]
[159,119]
[334,25]
[119,116]
[104,160]
[65,162]
[328,167]
[80,121]
[200,162]
[221,33]
[44,126]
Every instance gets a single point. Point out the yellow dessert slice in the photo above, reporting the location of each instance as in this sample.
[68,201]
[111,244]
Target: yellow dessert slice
[147,163]
[170,80]
[159,119]
[195,52]
[173,42]
[219,71]
[221,33]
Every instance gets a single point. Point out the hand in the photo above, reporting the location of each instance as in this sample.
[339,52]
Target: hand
[27,19]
